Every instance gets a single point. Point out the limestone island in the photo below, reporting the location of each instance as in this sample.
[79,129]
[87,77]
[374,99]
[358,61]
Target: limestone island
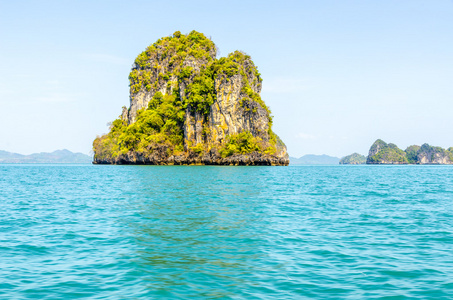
[382,153]
[188,107]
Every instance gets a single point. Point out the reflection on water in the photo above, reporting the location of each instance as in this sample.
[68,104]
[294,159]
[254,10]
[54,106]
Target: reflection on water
[199,229]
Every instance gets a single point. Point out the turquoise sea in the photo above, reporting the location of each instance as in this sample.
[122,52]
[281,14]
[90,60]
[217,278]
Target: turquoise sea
[201,232]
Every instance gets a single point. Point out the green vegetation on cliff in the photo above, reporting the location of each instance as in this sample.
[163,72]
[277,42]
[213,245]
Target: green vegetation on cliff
[353,159]
[411,153]
[179,78]
[180,52]
[243,143]
[157,126]
[383,153]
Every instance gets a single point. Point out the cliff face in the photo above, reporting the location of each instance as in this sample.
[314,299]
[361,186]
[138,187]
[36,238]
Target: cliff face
[434,155]
[187,107]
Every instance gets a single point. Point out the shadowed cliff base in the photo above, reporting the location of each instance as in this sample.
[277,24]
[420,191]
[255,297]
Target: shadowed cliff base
[188,107]
[251,159]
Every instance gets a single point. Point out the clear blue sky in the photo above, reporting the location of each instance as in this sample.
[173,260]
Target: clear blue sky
[337,74]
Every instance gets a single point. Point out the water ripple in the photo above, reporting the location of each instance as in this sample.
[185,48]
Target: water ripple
[324,232]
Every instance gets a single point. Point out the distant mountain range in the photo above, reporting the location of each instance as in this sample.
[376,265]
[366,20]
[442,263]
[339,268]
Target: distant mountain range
[312,159]
[57,157]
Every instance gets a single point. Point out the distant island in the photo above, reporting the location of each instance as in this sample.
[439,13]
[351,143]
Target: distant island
[381,153]
[189,107]
[353,159]
[312,159]
[57,157]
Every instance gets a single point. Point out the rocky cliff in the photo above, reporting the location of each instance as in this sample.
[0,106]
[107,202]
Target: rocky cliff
[434,155]
[383,153]
[188,107]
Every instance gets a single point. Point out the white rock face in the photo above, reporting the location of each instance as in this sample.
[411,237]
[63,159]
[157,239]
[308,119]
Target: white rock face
[232,114]
[228,115]
[434,159]
[139,101]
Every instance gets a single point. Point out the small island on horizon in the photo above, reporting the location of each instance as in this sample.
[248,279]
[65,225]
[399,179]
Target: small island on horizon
[353,159]
[381,153]
[188,107]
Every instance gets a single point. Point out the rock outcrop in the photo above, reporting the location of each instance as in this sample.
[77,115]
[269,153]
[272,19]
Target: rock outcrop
[353,159]
[187,107]
[434,155]
[383,153]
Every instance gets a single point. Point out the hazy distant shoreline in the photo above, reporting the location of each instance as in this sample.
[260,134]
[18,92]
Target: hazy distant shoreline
[313,159]
[56,157]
